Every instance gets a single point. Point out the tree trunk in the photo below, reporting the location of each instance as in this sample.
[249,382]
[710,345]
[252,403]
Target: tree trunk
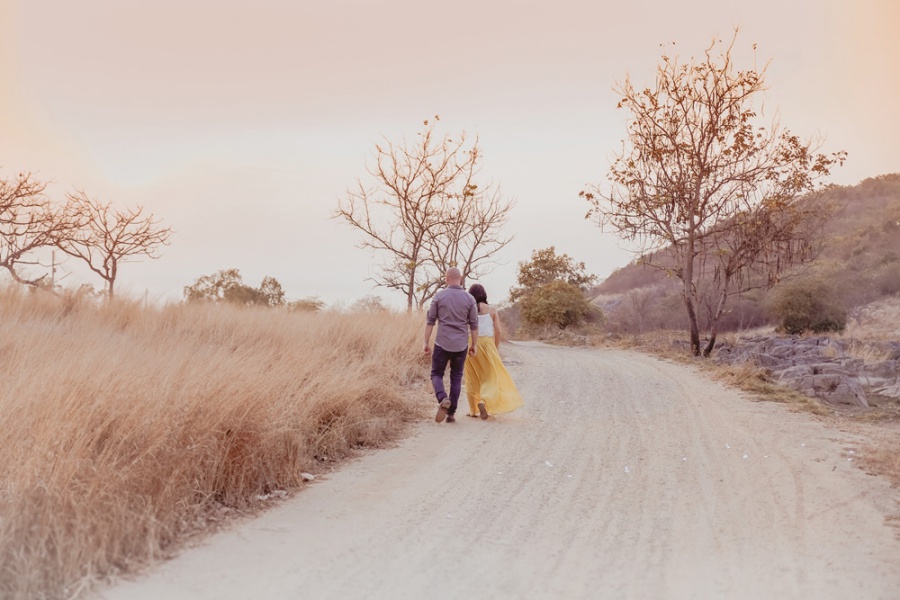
[707,350]
[714,324]
[692,318]
[411,291]
[112,274]
[687,282]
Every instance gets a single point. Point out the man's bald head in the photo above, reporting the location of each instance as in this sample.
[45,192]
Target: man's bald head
[454,276]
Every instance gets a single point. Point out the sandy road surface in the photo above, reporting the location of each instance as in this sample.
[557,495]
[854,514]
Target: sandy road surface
[623,477]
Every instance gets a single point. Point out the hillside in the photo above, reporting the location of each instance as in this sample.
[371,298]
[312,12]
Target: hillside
[859,255]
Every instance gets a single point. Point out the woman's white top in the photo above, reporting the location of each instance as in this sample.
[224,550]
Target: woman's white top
[485,325]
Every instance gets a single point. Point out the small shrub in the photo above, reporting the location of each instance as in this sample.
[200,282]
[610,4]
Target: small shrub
[309,304]
[558,303]
[809,304]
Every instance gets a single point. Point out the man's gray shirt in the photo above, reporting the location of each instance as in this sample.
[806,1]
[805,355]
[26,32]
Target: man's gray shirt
[455,311]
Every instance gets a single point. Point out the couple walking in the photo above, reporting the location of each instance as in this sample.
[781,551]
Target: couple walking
[489,388]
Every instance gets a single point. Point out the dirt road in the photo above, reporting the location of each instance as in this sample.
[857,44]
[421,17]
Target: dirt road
[623,477]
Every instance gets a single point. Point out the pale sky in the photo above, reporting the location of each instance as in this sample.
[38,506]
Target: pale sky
[241,124]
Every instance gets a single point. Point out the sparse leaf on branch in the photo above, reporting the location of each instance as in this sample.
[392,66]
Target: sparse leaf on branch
[703,183]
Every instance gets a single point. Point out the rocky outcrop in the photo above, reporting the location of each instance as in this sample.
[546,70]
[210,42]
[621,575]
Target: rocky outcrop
[822,367]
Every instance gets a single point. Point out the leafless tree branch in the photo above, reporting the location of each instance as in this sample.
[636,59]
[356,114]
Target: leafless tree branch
[106,236]
[425,212]
[702,185]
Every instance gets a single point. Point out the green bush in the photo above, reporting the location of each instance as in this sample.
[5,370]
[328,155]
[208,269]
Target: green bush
[558,303]
[809,304]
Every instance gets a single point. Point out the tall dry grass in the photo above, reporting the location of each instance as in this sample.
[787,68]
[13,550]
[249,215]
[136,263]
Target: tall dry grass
[881,453]
[879,320]
[125,427]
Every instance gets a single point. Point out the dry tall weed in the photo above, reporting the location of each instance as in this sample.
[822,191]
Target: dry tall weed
[125,427]
[868,352]
[752,379]
[879,320]
[878,451]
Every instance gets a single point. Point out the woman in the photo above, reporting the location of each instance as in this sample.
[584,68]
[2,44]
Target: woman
[489,388]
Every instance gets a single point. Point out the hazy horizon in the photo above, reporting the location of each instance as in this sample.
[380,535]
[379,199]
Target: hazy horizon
[242,127]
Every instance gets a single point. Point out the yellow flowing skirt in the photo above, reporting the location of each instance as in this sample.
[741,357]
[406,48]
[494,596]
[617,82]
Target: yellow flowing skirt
[488,381]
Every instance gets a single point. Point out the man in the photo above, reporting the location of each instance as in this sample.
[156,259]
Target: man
[456,314]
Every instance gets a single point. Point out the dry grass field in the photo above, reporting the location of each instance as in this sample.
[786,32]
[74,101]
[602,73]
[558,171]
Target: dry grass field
[127,427]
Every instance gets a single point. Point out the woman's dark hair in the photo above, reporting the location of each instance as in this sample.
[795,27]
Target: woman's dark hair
[477,292]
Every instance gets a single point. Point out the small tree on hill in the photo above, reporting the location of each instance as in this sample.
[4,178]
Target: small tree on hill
[699,181]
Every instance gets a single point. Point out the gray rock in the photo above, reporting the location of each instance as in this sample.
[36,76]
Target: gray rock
[783,352]
[768,361]
[892,349]
[831,369]
[835,388]
[794,372]
[869,382]
[809,359]
[891,391]
[819,366]
[884,369]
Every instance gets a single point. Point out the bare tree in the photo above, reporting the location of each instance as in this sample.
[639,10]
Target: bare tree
[702,186]
[425,213]
[470,236]
[28,222]
[108,236]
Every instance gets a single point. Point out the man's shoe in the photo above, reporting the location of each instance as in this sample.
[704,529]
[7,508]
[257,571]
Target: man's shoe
[451,419]
[482,410]
[442,411]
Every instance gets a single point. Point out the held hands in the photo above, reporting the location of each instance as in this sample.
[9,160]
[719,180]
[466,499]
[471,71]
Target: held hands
[472,350]
[427,350]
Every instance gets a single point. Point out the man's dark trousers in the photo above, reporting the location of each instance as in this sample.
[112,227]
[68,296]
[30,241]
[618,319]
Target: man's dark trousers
[439,360]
